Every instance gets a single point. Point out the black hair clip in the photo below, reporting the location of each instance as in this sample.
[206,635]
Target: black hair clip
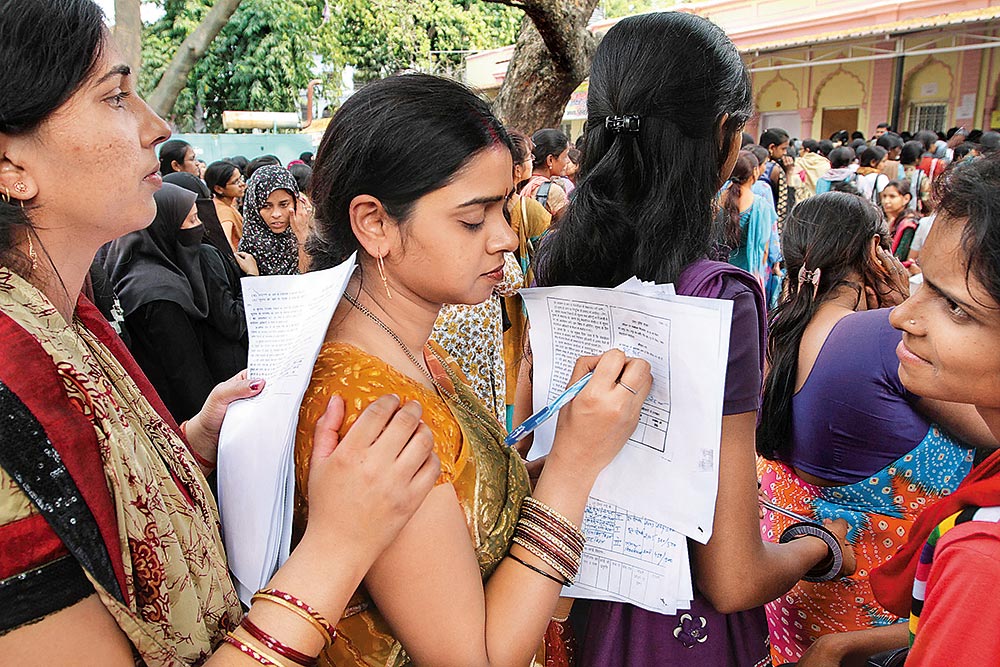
[622,124]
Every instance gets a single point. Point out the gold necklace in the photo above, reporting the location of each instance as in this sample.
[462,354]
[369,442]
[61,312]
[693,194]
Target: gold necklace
[469,410]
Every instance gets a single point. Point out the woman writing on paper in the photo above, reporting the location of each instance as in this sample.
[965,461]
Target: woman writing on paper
[669,97]
[110,539]
[474,577]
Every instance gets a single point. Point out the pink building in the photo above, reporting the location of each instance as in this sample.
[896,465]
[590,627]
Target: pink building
[820,66]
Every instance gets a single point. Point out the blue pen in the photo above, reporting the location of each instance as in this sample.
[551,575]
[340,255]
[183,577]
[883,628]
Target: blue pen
[543,415]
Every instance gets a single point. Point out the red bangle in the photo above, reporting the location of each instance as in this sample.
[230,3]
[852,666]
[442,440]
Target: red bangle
[248,650]
[273,644]
[202,461]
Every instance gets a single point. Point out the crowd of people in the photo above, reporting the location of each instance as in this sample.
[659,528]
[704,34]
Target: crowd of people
[861,389]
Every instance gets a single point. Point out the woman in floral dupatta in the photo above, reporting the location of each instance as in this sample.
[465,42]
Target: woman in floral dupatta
[452,590]
[530,221]
[110,539]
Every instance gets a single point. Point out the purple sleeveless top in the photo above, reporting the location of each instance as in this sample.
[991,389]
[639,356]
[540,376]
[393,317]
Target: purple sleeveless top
[621,635]
[853,417]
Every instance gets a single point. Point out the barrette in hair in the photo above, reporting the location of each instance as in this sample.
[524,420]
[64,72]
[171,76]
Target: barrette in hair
[810,277]
[622,124]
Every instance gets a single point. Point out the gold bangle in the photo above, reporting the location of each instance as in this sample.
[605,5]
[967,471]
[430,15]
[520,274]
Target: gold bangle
[250,651]
[540,554]
[301,613]
[258,647]
[552,545]
[539,548]
[529,525]
[533,505]
[554,528]
[288,597]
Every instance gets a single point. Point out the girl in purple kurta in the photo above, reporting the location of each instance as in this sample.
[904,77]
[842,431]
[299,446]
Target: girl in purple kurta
[668,100]
[840,436]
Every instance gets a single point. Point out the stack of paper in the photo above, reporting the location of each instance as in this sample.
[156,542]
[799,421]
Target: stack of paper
[287,320]
[662,486]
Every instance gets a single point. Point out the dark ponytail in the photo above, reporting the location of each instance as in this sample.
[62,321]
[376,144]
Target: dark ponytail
[742,177]
[545,143]
[645,201]
[172,151]
[830,233]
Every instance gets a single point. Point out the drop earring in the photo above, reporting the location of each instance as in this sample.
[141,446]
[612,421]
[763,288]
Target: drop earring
[32,255]
[381,272]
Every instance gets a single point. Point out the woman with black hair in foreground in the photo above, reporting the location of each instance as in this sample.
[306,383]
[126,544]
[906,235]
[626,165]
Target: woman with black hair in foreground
[669,97]
[111,543]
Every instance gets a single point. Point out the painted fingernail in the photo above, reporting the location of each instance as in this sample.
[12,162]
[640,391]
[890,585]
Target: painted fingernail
[256,384]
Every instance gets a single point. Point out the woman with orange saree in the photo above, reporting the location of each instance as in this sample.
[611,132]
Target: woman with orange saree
[413,174]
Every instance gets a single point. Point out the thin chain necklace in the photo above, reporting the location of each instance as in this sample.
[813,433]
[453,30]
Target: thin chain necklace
[469,410]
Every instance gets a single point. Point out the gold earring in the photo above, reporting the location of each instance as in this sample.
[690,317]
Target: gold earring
[31,252]
[381,272]
[5,195]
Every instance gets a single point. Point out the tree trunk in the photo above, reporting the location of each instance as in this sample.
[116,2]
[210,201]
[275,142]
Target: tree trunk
[128,33]
[552,57]
[174,78]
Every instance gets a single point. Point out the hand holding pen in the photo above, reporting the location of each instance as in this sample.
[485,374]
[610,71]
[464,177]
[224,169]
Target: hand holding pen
[595,425]
[529,425]
[534,421]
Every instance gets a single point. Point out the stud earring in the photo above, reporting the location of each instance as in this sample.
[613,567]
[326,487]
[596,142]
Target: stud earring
[20,187]
[381,272]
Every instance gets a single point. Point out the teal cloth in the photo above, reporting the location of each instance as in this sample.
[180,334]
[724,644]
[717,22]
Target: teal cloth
[755,236]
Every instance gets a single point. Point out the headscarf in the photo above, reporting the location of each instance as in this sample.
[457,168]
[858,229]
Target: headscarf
[152,264]
[189,182]
[276,254]
[215,236]
[892,582]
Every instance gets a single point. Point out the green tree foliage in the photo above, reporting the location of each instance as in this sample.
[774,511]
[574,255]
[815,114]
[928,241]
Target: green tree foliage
[614,9]
[270,49]
[260,61]
[382,37]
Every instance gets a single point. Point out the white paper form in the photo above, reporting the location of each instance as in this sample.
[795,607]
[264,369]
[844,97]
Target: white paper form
[667,475]
[668,470]
[633,560]
[287,320]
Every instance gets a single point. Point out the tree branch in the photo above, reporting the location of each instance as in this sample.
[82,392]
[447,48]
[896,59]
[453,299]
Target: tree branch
[551,58]
[127,32]
[174,78]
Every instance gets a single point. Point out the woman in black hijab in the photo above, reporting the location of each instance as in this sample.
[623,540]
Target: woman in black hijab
[225,331]
[241,263]
[275,221]
[187,326]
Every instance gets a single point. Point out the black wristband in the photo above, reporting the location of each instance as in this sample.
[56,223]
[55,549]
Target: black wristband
[539,571]
[830,567]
